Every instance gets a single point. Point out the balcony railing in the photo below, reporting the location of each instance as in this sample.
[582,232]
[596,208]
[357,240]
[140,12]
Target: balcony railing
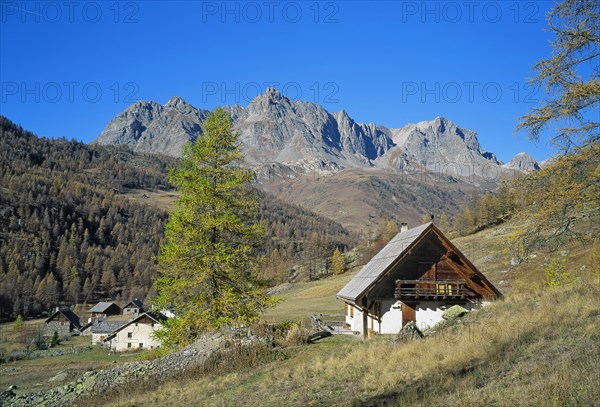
[430,290]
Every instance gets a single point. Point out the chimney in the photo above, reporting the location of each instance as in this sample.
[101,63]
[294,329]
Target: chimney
[403,227]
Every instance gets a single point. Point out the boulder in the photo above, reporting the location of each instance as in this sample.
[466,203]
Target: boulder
[454,312]
[409,332]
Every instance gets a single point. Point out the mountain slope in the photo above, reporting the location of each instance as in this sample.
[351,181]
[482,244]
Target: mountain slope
[70,230]
[297,147]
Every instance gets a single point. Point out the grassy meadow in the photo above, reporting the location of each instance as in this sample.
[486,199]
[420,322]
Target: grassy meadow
[538,347]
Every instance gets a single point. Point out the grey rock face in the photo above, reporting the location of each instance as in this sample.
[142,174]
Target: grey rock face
[153,128]
[522,162]
[439,146]
[303,136]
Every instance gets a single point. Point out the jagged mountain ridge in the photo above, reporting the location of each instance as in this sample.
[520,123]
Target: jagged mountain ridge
[304,136]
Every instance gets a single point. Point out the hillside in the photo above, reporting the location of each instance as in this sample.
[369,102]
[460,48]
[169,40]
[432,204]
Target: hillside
[538,347]
[79,223]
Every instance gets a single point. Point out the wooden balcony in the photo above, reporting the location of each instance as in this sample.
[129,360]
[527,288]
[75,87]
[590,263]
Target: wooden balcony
[430,290]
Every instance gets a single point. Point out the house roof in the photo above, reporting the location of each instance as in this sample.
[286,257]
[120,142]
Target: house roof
[67,313]
[397,248]
[106,326]
[102,306]
[155,316]
[380,263]
[135,303]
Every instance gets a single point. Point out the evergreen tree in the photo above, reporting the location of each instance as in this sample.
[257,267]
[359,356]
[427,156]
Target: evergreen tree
[18,324]
[207,267]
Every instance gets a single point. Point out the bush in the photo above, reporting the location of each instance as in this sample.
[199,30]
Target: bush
[55,339]
[556,275]
[296,335]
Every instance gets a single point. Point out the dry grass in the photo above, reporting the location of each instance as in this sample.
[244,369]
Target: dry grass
[538,350]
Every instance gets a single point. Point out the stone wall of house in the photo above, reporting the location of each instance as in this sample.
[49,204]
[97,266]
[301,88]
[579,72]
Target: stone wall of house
[62,327]
[131,311]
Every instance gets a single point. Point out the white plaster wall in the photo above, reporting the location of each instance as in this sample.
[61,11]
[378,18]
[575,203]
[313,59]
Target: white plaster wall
[428,314]
[98,339]
[357,321]
[142,333]
[391,322]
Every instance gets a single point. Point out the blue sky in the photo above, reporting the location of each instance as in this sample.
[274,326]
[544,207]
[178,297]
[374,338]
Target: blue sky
[67,68]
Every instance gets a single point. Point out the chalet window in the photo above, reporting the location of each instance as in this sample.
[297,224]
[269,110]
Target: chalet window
[141,345]
[136,324]
[130,334]
[351,311]
[129,345]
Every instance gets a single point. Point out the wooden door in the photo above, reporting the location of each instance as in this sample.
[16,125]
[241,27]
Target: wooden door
[409,313]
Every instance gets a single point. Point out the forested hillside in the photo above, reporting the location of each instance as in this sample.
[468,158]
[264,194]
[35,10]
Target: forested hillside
[68,234]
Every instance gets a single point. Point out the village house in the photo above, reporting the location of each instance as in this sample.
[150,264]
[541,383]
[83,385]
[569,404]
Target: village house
[136,333]
[133,307]
[64,321]
[415,277]
[105,309]
[102,328]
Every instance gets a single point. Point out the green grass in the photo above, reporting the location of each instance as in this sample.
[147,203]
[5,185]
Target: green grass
[307,298]
[34,374]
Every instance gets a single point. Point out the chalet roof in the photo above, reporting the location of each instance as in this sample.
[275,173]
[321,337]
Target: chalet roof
[383,262]
[135,304]
[67,313]
[102,306]
[155,316]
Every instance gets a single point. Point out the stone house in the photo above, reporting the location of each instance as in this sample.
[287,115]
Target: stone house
[64,321]
[133,307]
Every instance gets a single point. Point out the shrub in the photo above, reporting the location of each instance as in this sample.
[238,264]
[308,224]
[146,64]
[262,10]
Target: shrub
[296,335]
[556,275]
[55,339]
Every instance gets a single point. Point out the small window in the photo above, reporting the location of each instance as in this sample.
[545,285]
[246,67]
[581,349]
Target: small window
[130,334]
[136,324]
[141,345]
[129,345]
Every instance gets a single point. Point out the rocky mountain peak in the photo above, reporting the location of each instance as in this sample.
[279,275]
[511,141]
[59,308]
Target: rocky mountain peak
[271,100]
[275,129]
[176,102]
[522,162]
[273,94]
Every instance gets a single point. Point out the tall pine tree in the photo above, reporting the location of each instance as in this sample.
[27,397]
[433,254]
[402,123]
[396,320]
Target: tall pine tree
[207,267]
